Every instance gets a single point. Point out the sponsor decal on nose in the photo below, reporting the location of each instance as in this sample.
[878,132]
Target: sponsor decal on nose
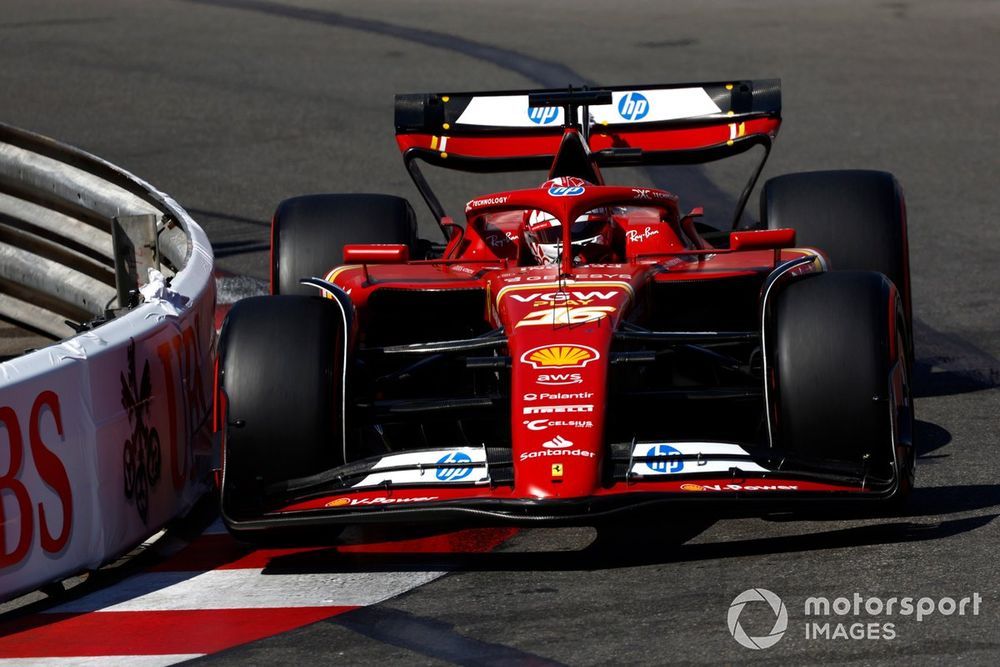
[557,441]
[560,356]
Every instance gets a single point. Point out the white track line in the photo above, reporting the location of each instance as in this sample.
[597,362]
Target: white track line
[247,589]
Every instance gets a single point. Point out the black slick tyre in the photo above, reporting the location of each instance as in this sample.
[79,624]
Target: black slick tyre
[842,401]
[281,382]
[856,217]
[308,233]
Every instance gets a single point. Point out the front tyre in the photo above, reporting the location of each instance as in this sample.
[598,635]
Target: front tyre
[281,381]
[841,382]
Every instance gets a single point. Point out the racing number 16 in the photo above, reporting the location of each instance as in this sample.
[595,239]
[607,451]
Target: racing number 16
[565,316]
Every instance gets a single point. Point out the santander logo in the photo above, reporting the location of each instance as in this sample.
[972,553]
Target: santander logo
[557,442]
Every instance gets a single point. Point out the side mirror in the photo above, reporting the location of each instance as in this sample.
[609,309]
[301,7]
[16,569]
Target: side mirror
[372,253]
[764,239]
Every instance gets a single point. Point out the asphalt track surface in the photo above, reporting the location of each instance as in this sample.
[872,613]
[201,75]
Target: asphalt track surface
[232,105]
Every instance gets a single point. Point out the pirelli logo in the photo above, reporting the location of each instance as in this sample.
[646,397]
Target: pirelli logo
[556,409]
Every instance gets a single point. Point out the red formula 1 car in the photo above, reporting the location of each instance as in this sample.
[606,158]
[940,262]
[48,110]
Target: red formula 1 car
[578,349]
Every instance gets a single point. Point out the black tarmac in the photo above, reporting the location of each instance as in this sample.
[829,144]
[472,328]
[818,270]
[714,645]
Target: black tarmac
[232,105]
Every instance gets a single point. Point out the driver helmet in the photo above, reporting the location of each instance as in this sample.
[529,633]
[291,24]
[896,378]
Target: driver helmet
[591,233]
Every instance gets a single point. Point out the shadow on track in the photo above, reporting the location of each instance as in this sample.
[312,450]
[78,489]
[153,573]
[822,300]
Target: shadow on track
[620,548]
[231,248]
[929,437]
[947,364]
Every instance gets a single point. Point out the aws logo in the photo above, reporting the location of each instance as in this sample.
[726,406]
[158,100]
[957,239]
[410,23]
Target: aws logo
[560,356]
[556,379]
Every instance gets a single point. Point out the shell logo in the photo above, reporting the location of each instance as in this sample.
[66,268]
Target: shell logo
[692,487]
[339,502]
[560,356]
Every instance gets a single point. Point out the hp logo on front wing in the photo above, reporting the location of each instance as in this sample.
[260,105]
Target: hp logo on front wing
[453,474]
[665,466]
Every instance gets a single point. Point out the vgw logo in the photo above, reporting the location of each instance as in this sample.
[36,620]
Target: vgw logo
[543,115]
[664,466]
[633,106]
[777,607]
[451,474]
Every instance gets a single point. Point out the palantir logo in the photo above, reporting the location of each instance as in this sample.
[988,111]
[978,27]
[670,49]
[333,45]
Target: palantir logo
[542,115]
[633,106]
[777,608]
[453,474]
[661,465]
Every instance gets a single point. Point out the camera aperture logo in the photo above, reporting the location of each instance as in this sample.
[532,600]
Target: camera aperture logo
[857,617]
[777,608]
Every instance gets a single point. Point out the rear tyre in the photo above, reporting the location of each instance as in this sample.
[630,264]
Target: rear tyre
[308,233]
[858,218]
[840,393]
[281,370]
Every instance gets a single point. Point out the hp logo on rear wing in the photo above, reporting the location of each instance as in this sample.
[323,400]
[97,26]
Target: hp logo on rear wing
[633,106]
[543,115]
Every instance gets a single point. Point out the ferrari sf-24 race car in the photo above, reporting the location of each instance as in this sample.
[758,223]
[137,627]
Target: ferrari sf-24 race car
[575,350]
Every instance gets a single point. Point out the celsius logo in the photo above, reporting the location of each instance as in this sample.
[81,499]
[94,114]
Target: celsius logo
[664,466]
[453,474]
[633,106]
[543,115]
[777,607]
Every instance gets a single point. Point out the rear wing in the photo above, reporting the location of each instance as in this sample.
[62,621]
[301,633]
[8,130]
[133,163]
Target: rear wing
[574,132]
[683,123]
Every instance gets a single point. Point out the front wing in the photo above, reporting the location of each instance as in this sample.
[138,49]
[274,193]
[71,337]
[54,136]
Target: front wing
[471,484]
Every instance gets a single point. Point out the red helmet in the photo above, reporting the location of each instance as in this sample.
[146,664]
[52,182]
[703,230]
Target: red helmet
[590,234]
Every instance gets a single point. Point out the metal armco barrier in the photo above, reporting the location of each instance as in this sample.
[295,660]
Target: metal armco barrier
[103,434]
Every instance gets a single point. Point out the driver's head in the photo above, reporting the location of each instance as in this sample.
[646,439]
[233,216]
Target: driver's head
[590,234]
